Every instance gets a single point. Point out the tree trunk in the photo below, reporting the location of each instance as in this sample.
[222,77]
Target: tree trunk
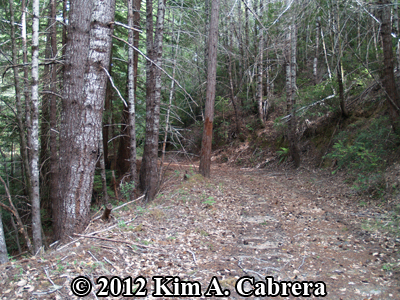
[260,66]
[205,154]
[103,170]
[343,108]
[171,96]
[388,76]
[133,39]
[19,112]
[26,81]
[3,247]
[53,110]
[148,170]
[315,62]
[34,168]
[231,87]
[85,80]
[339,67]
[206,30]
[291,92]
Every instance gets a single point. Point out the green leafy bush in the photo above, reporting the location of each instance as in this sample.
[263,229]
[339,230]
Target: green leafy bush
[127,189]
[363,151]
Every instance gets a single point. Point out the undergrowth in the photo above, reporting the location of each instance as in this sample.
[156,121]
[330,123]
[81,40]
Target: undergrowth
[363,150]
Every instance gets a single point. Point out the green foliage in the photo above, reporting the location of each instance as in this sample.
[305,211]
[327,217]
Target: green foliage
[283,154]
[355,156]
[222,104]
[127,189]
[362,151]
[98,184]
[209,201]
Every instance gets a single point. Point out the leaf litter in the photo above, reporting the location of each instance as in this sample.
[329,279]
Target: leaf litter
[299,225]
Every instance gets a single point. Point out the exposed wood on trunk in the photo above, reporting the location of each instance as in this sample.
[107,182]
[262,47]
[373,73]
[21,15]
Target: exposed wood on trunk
[205,155]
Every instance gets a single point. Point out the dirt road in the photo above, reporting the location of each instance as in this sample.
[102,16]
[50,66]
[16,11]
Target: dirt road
[295,232]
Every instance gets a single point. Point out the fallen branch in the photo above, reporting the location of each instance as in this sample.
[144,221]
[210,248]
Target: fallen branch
[115,241]
[125,204]
[48,292]
[194,257]
[14,211]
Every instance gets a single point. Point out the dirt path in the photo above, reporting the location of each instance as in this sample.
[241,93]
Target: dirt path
[291,225]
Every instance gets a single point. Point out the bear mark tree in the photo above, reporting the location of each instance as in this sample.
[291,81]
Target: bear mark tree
[205,155]
[87,57]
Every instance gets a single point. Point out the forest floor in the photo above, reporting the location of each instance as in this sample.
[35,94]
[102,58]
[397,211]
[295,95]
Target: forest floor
[293,225]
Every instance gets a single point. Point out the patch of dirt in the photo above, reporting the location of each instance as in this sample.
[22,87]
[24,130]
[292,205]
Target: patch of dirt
[293,225]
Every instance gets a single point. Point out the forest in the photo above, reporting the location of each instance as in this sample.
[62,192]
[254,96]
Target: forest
[99,97]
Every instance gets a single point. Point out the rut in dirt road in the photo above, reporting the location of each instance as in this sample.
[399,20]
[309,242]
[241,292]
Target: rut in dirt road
[292,231]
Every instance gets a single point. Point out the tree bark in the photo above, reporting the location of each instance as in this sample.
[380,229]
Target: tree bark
[339,67]
[53,110]
[260,56]
[34,167]
[85,80]
[3,247]
[148,170]
[205,154]
[315,62]
[133,39]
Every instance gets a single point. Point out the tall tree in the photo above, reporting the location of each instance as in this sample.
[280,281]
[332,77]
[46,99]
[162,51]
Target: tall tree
[19,111]
[205,155]
[133,39]
[260,66]
[87,59]
[53,109]
[388,75]
[339,66]
[291,75]
[34,167]
[148,170]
